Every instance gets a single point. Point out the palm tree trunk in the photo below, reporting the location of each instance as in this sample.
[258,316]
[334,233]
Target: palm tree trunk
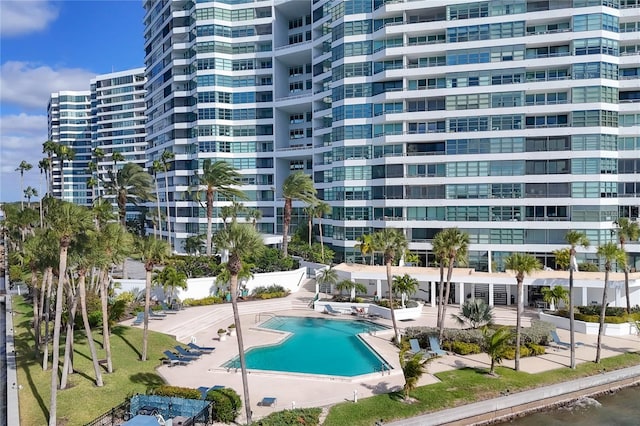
[286,220]
[166,192]
[396,333]
[87,328]
[445,302]
[440,321]
[158,207]
[572,332]
[321,239]
[626,288]
[67,365]
[243,364]
[309,228]
[21,190]
[603,312]
[518,322]
[43,292]
[209,220]
[64,247]
[147,306]
[106,338]
[45,355]
[36,309]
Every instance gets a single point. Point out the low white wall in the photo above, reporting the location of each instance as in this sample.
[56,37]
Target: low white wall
[198,288]
[623,329]
[372,309]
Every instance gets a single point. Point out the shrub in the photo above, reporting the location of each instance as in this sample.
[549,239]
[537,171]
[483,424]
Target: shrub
[462,348]
[536,349]
[538,333]
[226,404]
[127,297]
[271,260]
[177,391]
[270,292]
[298,416]
[510,352]
[209,300]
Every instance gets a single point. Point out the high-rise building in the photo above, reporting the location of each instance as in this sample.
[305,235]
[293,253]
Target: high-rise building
[69,118]
[514,121]
[118,115]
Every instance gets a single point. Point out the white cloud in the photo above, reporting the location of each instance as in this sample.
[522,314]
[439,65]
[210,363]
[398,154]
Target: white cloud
[18,17]
[30,85]
[21,138]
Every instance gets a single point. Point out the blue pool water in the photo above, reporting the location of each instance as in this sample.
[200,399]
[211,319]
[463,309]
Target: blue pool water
[317,346]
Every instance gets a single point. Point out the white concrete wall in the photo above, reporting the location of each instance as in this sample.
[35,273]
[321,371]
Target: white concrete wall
[371,309]
[623,329]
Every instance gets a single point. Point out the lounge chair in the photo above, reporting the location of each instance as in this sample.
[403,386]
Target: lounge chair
[268,402]
[358,311]
[156,315]
[434,345]
[559,343]
[173,359]
[415,347]
[139,319]
[183,353]
[328,309]
[202,349]
[166,309]
[204,390]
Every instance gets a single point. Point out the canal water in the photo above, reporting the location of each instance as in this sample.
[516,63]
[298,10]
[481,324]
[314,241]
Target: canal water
[619,409]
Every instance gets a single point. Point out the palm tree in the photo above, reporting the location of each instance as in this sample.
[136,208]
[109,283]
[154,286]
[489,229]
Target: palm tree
[170,279]
[308,211]
[522,264]
[240,240]
[365,246]
[352,288]
[193,244]
[574,239]
[297,186]
[553,295]
[412,368]
[156,168]
[63,153]
[164,159]
[23,167]
[67,221]
[152,252]
[218,177]
[390,242]
[627,231]
[326,277]
[44,167]
[474,312]
[406,285]
[254,216]
[49,148]
[320,209]
[610,252]
[28,193]
[131,184]
[495,345]
[451,244]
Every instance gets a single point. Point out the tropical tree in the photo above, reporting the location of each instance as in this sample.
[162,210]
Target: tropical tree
[193,244]
[352,288]
[574,239]
[450,244]
[297,186]
[67,221]
[170,279]
[390,242]
[30,192]
[495,345]
[164,159]
[156,167]
[319,210]
[129,185]
[308,211]
[49,148]
[406,285]
[44,165]
[474,312]
[627,231]
[365,246]
[254,216]
[23,167]
[63,153]
[610,253]
[413,367]
[152,252]
[219,177]
[240,240]
[553,295]
[522,264]
[326,277]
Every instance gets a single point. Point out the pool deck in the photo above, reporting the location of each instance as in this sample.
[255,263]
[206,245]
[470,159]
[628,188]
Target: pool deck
[300,390]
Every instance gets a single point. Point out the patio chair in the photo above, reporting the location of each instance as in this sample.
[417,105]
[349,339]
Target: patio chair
[139,319]
[156,315]
[166,309]
[358,311]
[203,349]
[183,353]
[268,402]
[559,343]
[328,309]
[173,359]
[204,390]
[434,345]
[415,347]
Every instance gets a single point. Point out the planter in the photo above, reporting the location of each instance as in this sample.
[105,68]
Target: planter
[622,329]
[222,337]
[232,332]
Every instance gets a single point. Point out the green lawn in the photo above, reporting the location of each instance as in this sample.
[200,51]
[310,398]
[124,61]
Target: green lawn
[82,401]
[459,387]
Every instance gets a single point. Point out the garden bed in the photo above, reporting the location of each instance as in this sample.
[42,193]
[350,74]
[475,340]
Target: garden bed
[622,329]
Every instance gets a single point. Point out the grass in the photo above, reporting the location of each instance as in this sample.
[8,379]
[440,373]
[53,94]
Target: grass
[82,401]
[459,387]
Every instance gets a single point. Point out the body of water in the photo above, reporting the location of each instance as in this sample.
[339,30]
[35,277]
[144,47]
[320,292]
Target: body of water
[619,409]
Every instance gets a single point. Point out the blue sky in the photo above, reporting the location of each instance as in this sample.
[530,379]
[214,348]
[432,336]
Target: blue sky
[47,46]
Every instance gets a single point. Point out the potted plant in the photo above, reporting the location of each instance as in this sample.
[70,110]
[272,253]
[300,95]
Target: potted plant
[232,329]
[222,334]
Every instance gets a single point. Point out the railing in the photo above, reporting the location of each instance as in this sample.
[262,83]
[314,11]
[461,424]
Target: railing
[116,416]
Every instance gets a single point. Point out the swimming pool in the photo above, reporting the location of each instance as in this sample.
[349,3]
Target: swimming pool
[317,346]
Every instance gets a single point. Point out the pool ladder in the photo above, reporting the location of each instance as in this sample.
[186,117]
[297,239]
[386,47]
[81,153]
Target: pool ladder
[383,368]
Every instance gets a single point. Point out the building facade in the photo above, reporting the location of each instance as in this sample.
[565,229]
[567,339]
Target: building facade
[69,124]
[514,121]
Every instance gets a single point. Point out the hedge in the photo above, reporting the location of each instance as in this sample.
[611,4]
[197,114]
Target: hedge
[226,404]
[177,391]
[209,300]
[298,416]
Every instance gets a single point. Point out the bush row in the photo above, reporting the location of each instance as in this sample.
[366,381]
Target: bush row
[298,416]
[611,317]
[209,300]
[176,391]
